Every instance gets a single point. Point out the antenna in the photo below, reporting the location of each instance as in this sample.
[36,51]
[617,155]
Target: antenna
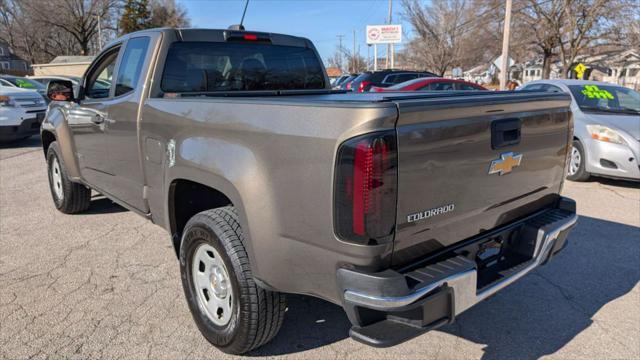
[240,27]
[243,13]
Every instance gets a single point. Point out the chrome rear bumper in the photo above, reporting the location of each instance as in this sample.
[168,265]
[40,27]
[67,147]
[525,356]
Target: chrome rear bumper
[429,296]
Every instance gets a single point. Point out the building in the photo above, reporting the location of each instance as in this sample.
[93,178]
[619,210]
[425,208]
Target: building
[532,70]
[11,63]
[617,67]
[334,72]
[64,65]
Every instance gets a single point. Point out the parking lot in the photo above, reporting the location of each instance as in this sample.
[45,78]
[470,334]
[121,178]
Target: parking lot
[106,284]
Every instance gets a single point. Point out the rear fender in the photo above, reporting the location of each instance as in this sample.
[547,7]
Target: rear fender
[214,181]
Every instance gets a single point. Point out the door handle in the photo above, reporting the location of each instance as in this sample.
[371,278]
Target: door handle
[505,132]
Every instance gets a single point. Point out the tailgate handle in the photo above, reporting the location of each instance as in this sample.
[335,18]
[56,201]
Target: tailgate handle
[505,133]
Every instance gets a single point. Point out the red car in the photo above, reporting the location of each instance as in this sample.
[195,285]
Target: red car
[431,84]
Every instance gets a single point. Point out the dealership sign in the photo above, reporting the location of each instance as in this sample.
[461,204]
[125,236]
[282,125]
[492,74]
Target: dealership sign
[384,34]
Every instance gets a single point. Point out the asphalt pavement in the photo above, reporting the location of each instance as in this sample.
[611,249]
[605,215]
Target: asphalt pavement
[106,284]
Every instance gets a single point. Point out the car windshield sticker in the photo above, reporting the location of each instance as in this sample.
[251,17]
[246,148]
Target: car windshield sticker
[24,84]
[593,92]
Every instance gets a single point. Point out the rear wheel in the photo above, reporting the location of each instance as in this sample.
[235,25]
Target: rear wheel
[576,168]
[232,312]
[69,197]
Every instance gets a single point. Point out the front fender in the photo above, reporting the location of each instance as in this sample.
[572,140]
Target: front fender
[56,123]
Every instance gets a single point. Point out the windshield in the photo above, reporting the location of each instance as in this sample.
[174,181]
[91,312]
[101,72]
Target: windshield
[209,66]
[25,83]
[606,98]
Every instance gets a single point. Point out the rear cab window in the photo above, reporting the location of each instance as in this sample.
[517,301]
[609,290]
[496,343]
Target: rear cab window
[201,66]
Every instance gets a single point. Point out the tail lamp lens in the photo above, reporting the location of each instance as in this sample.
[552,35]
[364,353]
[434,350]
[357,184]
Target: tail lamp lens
[363,85]
[366,188]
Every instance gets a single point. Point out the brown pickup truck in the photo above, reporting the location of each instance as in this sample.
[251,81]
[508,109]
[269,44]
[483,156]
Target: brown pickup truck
[405,209]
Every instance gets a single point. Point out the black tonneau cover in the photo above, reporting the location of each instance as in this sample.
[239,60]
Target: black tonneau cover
[458,98]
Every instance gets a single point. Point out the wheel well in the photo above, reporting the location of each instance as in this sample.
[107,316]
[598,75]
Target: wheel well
[187,198]
[47,139]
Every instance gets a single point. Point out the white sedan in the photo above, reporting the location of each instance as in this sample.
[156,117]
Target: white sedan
[606,140]
[21,113]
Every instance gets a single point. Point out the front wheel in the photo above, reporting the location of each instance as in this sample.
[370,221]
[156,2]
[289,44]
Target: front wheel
[576,168]
[69,197]
[232,312]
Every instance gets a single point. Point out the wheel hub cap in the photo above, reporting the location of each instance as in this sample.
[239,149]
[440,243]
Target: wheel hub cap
[212,284]
[574,163]
[56,178]
[218,282]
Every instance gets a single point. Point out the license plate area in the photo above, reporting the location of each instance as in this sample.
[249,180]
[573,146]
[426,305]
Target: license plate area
[499,254]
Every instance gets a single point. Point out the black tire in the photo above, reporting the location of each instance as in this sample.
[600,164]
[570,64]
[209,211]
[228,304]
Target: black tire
[581,174]
[257,314]
[74,197]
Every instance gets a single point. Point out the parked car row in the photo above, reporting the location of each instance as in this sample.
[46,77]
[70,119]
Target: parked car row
[23,104]
[400,80]
[607,117]
[21,112]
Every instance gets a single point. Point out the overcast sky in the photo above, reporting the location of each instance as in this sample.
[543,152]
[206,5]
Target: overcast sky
[320,21]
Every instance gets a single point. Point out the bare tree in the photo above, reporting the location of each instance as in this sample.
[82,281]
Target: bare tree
[346,61]
[566,29]
[584,22]
[335,60]
[77,18]
[452,33]
[438,26]
[168,13]
[537,25]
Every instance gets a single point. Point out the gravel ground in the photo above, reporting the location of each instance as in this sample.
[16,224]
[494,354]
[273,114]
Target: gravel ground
[106,284]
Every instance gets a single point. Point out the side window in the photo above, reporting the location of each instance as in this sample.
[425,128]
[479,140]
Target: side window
[131,65]
[461,86]
[404,77]
[553,88]
[390,79]
[100,79]
[441,86]
[534,87]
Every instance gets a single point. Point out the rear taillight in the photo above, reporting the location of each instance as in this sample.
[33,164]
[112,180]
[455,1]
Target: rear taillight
[349,85]
[363,86]
[366,188]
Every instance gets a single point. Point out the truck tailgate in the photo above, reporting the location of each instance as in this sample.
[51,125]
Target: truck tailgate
[468,163]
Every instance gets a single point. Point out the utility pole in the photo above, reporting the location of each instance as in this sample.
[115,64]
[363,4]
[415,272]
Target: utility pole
[99,34]
[504,66]
[389,46]
[375,57]
[353,53]
[340,50]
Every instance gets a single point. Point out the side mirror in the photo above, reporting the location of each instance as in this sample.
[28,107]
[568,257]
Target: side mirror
[60,90]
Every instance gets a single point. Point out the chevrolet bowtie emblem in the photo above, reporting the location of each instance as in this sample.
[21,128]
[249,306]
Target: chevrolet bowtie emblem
[505,163]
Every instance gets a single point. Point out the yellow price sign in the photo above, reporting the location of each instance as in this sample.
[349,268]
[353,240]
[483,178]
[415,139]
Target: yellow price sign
[594,92]
[580,69]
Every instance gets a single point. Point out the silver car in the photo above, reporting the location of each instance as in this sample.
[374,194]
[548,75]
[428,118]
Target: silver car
[606,139]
